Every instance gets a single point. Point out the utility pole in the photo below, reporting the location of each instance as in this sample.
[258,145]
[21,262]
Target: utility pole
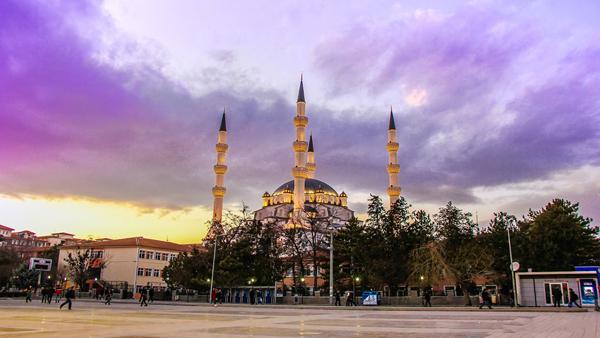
[212,275]
[331,268]
[512,270]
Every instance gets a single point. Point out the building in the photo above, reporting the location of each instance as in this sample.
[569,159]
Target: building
[538,288]
[130,262]
[5,231]
[61,238]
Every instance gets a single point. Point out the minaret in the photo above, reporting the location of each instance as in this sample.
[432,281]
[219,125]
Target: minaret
[300,146]
[220,170]
[393,167]
[311,167]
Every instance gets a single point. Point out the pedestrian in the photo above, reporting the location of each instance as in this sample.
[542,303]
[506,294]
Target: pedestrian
[151,294]
[28,293]
[219,296]
[427,297]
[486,299]
[338,301]
[143,297]
[44,294]
[557,295]
[252,296]
[70,294]
[50,295]
[350,299]
[213,296]
[108,295]
[259,296]
[573,298]
[57,295]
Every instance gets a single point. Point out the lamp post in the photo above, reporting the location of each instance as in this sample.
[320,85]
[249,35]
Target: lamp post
[331,267]
[212,274]
[512,270]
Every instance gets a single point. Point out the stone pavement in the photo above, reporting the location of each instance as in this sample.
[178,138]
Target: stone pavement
[91,319]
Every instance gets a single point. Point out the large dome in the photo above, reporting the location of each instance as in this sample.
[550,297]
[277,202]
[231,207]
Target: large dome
[310,187]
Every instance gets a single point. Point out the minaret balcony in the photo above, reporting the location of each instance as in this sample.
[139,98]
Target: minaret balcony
[394,191]
[393,168]
[220,169]
[300,146]
[392,146]
[300,121]
[299,172]
[219,191]
[222,147]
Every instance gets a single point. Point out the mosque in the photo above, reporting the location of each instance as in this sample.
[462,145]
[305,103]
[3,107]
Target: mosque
[303,196]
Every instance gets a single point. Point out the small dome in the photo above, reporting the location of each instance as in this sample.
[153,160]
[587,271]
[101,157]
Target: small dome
[343,194]
[266,194]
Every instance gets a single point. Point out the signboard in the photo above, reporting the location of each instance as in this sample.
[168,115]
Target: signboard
[515,266]
[40,264]
[370,298]
[588,291]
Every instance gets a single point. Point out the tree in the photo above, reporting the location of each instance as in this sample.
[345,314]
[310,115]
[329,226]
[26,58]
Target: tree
[80,266]
[25,278]
[9,262]
[558,238]
[495,239]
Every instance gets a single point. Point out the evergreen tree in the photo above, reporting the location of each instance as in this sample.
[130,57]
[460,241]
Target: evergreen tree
[558,238]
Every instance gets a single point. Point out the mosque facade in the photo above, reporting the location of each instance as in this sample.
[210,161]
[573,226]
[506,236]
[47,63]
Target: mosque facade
[304,196]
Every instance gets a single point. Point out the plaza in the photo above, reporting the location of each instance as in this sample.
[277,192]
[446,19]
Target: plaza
[127,319]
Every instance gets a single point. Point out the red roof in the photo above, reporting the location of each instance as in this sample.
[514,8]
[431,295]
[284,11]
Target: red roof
[4,227]
[62,233]
[26,231]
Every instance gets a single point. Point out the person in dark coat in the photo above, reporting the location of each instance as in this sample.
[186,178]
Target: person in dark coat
[486,299]
[108,295]
[44,294]
[143,297]
[573,298]
[28,293]
[338,301]
[427,298]
[252,296]
[70,294]
[557,295]
[151,294]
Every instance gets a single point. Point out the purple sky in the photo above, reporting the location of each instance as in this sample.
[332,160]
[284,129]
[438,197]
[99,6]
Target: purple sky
[497,103]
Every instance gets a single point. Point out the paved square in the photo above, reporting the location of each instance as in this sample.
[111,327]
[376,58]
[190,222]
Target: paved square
[91,319]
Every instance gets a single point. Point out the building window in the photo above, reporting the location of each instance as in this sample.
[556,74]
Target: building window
[157,256]
[173,256]
[149,254]
[165,256]
[156,273]
[142,254]
[140,272]
[147,272]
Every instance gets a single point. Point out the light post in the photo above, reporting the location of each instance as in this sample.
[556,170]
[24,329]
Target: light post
[512,269]
[331,267]
[212,274]
[302,284]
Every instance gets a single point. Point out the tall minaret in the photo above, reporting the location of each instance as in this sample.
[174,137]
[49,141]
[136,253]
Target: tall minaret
[220,170]
[299,171]
[393,167]
[311,167]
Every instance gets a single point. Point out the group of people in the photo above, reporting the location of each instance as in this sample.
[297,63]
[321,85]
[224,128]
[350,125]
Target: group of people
[557,297]
[349,298]
[146,295]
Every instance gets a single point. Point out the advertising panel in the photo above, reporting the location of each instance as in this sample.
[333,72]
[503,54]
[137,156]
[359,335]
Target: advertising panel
[588,291]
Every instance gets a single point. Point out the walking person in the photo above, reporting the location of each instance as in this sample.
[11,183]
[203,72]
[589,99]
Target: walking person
[573,298]
[338,301]
[252,296]
[28,293]
[143,297]
[57,295]
[486,299]
[70,294]
[151,294]
[44,294]
[427,298]
[108,295]
[259,296]
[557,295]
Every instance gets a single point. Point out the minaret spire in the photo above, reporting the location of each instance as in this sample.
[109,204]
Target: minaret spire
[311,167]
[220,169]
[393,167]
[299,171]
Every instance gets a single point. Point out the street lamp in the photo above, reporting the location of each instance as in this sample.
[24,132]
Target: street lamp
[331,229]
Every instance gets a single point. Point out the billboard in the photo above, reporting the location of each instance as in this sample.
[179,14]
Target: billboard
[588,291]
[40,264]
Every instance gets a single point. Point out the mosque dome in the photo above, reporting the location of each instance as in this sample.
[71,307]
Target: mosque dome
[311,186]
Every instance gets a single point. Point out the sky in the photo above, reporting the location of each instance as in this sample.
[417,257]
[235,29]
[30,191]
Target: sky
[109,110]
